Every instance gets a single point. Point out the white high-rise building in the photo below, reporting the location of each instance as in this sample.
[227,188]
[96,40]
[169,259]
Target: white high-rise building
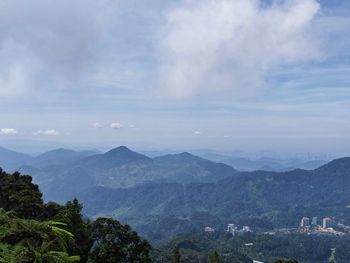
[326,222]
[231,228]
[305,222]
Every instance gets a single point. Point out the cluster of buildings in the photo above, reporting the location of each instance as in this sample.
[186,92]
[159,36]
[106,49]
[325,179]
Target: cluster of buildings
[307,225]
[233,229]
[305,222]
[209,229]
[327,226]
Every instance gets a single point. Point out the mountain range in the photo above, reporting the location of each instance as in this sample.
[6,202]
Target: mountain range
[72,172]
[11,160]
[271,164]
[260,199]
[185,191]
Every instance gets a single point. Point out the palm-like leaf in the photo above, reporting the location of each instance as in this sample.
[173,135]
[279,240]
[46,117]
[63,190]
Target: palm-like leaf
[59,257]
[42,242]
[10,254]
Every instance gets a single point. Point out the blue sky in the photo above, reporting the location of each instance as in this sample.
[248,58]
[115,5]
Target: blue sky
[182,74]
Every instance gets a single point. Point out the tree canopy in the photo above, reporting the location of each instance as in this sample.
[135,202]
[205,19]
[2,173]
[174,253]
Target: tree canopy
[34,232]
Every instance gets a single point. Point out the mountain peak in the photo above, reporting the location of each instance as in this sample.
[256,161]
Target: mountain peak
[119,149]
[186,154]
[58,151]
[122,155]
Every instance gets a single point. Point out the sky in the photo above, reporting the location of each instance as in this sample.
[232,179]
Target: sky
[227,75]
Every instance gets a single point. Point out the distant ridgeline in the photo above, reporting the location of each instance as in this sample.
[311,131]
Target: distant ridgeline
[188,192]
[62,174]
[195,193]
[32,231]
[261,200]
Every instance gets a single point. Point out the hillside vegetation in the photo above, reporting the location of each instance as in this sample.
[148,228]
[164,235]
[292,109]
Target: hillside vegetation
[262,200]
[32,231]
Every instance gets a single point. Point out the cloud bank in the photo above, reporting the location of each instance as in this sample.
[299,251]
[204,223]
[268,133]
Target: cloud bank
[205,47]
[49,44]
[212,46]
[48,132]
[97,125]
[116,126]
[8,131]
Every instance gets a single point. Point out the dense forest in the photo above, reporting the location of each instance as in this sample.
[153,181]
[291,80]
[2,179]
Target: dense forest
[263,200]
[34,231]
[197,247]
[184,190]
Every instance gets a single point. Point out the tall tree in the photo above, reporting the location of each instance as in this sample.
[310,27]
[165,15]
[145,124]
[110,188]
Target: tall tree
[176,255]
[114,243]
[71,215]
[19,194]
[214,258]
[332,258]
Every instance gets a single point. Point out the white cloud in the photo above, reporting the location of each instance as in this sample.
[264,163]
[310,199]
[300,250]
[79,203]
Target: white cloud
[212,46]
[8,131]
[116,126]
[49,132]
[50,44]
[197,133]
[97,125]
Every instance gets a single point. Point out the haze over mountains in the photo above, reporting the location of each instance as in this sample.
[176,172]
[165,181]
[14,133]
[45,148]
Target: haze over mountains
[263,200]
[121,167]
[13,160]
[184,190]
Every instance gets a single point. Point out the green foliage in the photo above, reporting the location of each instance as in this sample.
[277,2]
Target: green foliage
[292,248]
[71,215]
[285,261]
[28,240]
[34,232]
[11,254]
[201,248]
[114,242]
[262,200]
[176,255]
[332,258]
[214,258]
[18,194]
[31,231]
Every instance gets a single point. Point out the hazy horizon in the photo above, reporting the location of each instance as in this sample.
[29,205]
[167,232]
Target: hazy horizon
[251,76]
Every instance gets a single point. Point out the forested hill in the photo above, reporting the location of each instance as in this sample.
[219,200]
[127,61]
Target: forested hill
[32,231]
[190,192]
[11,160]
[263,200]
[121,168]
